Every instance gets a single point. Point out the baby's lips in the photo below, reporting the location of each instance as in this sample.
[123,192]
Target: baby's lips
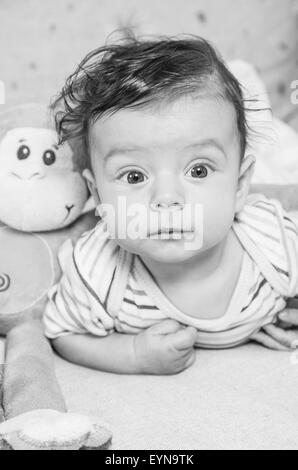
[171,230]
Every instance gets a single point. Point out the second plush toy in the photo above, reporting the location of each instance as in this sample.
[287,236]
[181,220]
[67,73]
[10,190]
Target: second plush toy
[42,195]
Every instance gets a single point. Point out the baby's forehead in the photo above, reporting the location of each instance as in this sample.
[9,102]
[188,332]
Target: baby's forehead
[182,121]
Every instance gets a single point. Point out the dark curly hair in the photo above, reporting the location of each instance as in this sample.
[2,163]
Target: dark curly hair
[135,73]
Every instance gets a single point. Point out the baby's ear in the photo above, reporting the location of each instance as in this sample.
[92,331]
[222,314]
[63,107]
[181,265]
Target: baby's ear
[91,185]
[245,176]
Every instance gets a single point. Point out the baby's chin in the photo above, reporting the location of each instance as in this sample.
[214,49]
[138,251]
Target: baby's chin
[162,251]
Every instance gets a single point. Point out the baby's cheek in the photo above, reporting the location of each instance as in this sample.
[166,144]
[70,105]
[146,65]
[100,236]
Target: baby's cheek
[217,219]
[124,218]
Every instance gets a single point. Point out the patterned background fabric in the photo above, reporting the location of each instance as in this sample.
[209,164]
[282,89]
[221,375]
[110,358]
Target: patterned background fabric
[42,41]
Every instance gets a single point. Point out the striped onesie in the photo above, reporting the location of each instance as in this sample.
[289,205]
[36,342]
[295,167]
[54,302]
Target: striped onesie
[104,288]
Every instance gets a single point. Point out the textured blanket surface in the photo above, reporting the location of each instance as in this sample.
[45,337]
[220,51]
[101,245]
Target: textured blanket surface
[242,398]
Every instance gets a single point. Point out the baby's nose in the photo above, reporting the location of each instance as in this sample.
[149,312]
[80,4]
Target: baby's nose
[167,195]
[176,205]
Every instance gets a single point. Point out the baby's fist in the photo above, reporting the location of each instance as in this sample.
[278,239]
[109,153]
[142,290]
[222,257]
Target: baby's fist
[165,348]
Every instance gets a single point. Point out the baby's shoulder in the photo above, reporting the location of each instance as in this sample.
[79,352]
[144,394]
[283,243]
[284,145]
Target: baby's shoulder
[270,236]
[94,246]
[95,258]
[266,219]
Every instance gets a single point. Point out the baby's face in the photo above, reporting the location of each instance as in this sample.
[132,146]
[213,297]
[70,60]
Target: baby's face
[183,154]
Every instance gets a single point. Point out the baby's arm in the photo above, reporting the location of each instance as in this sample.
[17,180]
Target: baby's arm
[283,333]
[282,336]
[165,348]
[82,331]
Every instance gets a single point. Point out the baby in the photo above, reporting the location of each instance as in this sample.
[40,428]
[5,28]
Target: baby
[163,130]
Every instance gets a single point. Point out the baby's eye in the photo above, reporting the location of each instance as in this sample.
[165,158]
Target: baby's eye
[23,152]
[200,171]
[49,157]
[133,177]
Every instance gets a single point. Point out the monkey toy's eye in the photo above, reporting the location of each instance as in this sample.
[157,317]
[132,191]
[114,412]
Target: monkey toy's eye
[49,157]
[23,152]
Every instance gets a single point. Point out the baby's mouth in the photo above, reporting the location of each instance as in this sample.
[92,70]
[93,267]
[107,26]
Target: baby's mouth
[170,233]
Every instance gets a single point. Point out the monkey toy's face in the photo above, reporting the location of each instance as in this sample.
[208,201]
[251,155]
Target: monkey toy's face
[39,187]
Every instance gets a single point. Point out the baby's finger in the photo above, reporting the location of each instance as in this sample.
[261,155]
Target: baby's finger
[165,327]
[184,339]
[192,358]
[268,342]
[288,338]
[289,315]
[187,360]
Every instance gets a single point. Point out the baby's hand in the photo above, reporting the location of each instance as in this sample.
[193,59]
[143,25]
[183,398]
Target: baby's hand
[283,335]
[165,348]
